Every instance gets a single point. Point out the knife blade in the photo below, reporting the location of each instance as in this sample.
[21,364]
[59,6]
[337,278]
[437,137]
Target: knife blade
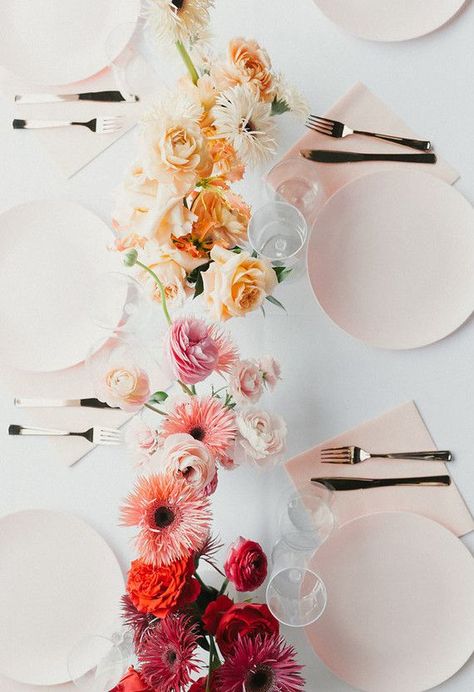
[105,96]
[341,483]
[330,156]
[58,403]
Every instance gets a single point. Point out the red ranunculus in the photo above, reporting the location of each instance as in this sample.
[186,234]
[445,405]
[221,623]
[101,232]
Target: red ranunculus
[214,611]
[201,685]
[132,681]
[244,620]
[246,565]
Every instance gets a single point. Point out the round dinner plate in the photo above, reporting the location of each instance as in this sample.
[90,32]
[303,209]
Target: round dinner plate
[51,254]
[400,611]
[391,259]
[62,41]
[59,583]
[386,20]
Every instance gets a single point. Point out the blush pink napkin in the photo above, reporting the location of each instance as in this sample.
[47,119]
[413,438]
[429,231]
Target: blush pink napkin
[360,108]
[399,430]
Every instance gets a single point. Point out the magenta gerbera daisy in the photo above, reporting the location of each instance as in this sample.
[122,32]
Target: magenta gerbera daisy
[168,657]
[261,664]
[173,517]
[207,420]
[141,624]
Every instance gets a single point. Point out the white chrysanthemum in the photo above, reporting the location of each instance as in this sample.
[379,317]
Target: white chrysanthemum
[246,122]
[287,94]
[173,107]
[178,20]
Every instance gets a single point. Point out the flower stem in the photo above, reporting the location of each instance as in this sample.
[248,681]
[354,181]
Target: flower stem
[156,410]
[187,61]
[160,286]
[186,389]
[204,586]
[224,586]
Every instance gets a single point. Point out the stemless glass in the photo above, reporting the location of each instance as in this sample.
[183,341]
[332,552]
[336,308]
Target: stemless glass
[296,596]
[97,663]
[278,232]
[307,518]
[119,303]
[291,180]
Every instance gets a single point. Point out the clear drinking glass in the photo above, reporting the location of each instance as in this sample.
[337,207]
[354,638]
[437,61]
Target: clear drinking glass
[307,518]
[97,663]
[296,596]
[131,67]
[119,303]
[292,181]
[278,232]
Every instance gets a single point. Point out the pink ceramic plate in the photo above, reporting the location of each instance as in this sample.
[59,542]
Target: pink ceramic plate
[385,20]
[391,259]
[400,612]
[59,583]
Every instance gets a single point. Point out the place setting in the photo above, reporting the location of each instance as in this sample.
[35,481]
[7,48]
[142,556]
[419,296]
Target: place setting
[136,340]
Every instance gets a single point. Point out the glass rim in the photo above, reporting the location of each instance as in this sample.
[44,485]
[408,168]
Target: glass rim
[319,581]
[278,204]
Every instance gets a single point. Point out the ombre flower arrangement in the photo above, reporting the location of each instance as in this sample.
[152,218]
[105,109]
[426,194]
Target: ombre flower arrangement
[176,204]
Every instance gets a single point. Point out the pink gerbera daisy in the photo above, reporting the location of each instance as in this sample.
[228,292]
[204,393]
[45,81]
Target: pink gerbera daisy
[263,664]
[168,659]
[173,517]
[141,624]
[207,420]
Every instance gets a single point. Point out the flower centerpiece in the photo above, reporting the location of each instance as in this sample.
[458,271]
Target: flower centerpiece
[176,204]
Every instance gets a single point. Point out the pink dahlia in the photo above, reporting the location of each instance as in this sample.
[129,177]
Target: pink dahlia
[168,657]
[264,664]
[207,420]
[174,518]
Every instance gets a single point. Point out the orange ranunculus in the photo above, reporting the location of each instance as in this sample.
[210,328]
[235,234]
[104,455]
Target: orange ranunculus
[247,63]
[158,590]
[227,163]
[222,215]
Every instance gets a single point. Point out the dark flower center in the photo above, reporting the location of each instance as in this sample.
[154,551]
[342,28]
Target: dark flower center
[164,516]
[178,4]
[197,432]
[260,679]
[171,657]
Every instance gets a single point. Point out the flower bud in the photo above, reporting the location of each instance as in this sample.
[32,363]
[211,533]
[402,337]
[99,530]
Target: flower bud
[130,257]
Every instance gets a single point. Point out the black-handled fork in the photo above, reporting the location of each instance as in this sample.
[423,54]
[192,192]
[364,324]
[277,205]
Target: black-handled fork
[334,128]
[95,435]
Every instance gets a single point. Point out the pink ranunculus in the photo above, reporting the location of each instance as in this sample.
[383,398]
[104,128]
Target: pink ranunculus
[191,351]
[246,381]
[246,565]
[126,386]
[271,371]
[184,456]
[262,434]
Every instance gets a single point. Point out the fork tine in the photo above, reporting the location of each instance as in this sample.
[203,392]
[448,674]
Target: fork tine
[111,430]
[319,117]
[316,128]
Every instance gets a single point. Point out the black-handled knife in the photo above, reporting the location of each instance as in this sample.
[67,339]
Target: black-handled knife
[105,96]
[59,403]
[341,483]
[329,156]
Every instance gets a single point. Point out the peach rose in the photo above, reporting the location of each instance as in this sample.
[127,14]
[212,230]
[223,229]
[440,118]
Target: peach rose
[188,458]
[236,284]
[222,216]
[247,63]
[135,198]
[171,267]
[125,386]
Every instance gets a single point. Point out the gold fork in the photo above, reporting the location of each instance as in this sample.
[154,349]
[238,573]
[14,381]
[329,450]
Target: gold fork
[354,455]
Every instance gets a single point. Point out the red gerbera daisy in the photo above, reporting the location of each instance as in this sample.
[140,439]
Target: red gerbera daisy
[173,517]
[168,657]
[263,664]
[206,419]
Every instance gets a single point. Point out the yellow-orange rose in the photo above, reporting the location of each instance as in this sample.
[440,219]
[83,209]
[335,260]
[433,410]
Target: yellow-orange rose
[236,284]
[247,63]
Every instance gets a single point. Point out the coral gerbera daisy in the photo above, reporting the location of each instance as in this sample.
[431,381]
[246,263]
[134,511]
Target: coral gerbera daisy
[173,517]
[206,419]
[178,20]
[168,658]
[246,123]
[264,664]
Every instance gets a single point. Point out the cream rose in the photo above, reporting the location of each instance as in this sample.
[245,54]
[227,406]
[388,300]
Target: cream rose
[134,200]
[236,284]
[247,63]
[125,386]
[188,458]
[171,267]
[262,434]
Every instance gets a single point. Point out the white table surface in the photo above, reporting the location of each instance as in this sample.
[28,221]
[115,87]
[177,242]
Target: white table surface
[332,382]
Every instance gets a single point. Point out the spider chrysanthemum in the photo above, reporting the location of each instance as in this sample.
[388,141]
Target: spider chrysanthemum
[172,516]
[178,20]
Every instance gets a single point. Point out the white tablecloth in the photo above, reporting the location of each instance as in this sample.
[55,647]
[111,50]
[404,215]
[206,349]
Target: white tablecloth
[332,382]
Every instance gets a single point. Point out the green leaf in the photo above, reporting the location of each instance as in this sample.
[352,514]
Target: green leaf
[237,250]
[276,302]
[193,276]
[279,106]
[263,310]
[199,286]
[282,273]
[158,397]
[254,254]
